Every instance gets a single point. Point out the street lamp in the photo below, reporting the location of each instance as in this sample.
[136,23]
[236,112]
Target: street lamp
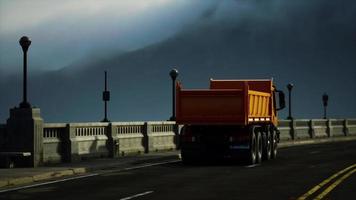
[106,98]
[290,87]
[325,103]
[25,43]
[174,75]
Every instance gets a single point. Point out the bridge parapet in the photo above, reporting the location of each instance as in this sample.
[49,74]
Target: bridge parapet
[316,128]
[70,142]
[53,145]
[162,136]
[128,138]
[350,126]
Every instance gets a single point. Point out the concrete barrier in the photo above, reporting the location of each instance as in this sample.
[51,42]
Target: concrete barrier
[162,136]
[87,140]
[302,129]
[129,138]
[350,125]
[285,129]
[53,145]
[79,141]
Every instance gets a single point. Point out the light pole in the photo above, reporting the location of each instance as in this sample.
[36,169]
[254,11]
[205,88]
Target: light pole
[174,75]
[106,98]
[290,87]
[25,43]
[325,103]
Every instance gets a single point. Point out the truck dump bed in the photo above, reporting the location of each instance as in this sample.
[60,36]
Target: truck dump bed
[226,102]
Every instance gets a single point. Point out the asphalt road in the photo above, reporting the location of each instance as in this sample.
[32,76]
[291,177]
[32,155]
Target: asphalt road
[296,171]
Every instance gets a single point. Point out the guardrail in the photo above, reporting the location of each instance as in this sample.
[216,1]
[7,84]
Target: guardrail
[79,141]
[316,128]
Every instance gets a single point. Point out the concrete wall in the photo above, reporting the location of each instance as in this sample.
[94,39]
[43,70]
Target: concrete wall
[80,141]
[351,126]
[53,147]
[300,129]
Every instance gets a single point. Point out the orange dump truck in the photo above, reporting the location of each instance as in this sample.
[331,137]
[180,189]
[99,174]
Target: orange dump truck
[233,119]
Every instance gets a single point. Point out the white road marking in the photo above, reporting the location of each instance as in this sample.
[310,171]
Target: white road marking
[149,165]
[314,152]
[85,176]
[252,166]
[137,195]
[47,183]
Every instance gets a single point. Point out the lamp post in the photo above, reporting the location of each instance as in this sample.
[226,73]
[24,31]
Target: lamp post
[290,87]
[106,98]
[174,75]
[325,103]
[25,43]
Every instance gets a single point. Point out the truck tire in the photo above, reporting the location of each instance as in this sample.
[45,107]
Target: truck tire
[274,142]
[259,145]
[267,147]
[252,151]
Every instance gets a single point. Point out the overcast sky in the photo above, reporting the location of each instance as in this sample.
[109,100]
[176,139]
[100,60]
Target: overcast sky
[311,43]
[67,31]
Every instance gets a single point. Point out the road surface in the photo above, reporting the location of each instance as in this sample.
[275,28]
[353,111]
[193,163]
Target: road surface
[296,171]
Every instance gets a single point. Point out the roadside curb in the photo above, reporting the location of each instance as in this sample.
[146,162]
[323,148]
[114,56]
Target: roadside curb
[82,170]
[284,144]
[41,177]
[74,171]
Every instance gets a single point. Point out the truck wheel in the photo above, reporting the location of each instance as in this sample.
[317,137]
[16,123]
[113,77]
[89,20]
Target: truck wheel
[274,143]
[267,148]
[251,154]
[259,145]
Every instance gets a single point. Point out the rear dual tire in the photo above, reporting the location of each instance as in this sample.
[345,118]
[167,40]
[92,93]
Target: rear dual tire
[254,154]
[274,143]
[262,147]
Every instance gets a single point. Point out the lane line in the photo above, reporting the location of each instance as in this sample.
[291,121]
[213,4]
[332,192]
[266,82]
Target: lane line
[85,176]
[137,195]
[150,165]
[326,181]
[332,186]
[252,166]
[47,183]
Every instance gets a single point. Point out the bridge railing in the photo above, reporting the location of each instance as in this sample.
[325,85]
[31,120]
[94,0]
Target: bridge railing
[128,138]
[53,145]
[316,128]
[80,141]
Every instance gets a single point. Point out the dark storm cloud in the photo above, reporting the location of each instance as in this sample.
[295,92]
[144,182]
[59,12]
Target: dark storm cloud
[308,42]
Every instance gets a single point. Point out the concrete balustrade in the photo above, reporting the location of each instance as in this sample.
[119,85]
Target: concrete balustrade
[162,136]
[350,126]
[53,146]
[79,141]
[87,140]
[285,130]
[300,129]
[71,142]
[129,138]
